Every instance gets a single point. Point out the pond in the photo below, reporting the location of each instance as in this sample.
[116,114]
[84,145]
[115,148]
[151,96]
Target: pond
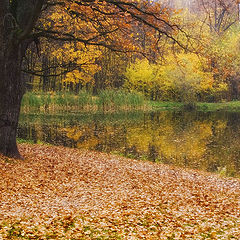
[205,141]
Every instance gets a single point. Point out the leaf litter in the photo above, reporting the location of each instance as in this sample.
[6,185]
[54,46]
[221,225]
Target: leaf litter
[63,193]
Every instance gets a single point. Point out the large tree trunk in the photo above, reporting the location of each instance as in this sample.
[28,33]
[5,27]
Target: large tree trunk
[11,92]
[11,89]
[17,20]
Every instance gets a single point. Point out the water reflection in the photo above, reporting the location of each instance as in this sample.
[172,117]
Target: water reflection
[207,141]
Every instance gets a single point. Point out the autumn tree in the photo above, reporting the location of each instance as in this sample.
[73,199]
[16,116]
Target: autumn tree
[219,15]
[106,23]
[220,18]
[182,77]
[64,66]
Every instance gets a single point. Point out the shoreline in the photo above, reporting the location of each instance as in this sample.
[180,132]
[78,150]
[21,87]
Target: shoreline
[149,106]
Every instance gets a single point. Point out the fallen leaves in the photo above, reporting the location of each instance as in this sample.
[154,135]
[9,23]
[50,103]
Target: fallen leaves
[62,193]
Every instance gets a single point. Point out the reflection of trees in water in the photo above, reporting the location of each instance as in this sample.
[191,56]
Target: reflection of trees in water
[223,147]
[208,141]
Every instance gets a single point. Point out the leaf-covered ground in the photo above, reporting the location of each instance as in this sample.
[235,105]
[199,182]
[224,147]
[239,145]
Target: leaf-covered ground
[62,193]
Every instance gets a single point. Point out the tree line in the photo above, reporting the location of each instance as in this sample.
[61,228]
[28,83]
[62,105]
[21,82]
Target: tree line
[200,63]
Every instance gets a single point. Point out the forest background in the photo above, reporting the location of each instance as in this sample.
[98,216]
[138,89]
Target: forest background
[201,63]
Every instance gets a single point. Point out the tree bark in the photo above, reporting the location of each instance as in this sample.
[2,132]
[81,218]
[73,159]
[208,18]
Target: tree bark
[17,20]
[11,89]
[11,92]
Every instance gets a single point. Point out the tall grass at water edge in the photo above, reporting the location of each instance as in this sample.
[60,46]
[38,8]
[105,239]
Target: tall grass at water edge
[119,100]
[110,100]
[55,101]
[107,100]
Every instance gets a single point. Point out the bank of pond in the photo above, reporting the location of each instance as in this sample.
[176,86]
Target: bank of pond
[206,141]
[112,101]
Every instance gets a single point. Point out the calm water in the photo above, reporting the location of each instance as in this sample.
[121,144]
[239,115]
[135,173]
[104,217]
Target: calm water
[206,141]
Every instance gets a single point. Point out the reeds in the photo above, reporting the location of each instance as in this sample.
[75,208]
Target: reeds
[106,100]
[119,100]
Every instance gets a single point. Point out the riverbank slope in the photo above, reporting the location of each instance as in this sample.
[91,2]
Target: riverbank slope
[62,193]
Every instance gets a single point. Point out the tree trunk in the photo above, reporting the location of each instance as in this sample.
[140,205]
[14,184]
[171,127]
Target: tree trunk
[17,20]
[11,92]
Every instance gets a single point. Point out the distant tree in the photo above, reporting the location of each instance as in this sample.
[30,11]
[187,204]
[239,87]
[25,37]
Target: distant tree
[220,15]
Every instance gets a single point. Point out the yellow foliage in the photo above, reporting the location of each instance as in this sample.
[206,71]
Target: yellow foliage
[84,58]
[181,77]
[224,53]
[141,75]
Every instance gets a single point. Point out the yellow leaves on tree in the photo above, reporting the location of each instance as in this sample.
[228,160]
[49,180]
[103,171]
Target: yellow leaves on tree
[224,54]
[141,76]
[84,58]
[184,76]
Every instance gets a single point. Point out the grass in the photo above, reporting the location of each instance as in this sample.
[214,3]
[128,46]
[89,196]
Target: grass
[111,101]
[21,140]
[233,106]
[29,141]
[105,101]
[157,105]
[54,101]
